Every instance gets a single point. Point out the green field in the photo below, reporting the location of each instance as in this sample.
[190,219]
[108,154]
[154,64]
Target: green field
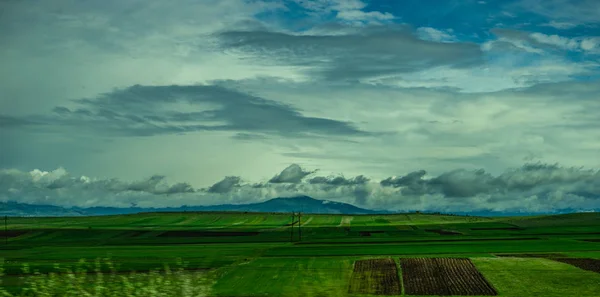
[256,254]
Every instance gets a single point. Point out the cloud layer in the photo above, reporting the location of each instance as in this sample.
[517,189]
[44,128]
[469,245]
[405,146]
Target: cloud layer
[212,91]
[152,110]
[534,187]
[354,53]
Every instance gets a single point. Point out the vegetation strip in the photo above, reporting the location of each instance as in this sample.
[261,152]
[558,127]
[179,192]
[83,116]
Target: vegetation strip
[417,241]
[205,233]
[530,255]
[443,277]
[375,277]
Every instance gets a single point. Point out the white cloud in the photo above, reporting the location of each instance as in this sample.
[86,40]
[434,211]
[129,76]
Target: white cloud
[588,44]
[92,49]
[540,43]
[591,44]
[560,25]
[350,11]
[432,34]
[497,75]
[575,12]
[357,15]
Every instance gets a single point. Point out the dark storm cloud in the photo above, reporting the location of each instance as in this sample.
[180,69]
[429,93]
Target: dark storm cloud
[339,180]
[151,110]
[154,185]
[355,54]
[463,183]
[530,179]
[292,174]
[225,185]
[13,122]
[249,136]
[411,178]
[412,183]
[361,195]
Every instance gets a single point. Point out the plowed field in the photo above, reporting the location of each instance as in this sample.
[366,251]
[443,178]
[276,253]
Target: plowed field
[583,263]
[375,277]
[443,277]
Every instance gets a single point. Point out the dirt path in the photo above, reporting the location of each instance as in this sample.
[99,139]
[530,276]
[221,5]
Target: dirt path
[274,229]
[345,221]
[307,221]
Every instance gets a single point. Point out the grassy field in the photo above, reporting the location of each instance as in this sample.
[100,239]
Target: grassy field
[256,254]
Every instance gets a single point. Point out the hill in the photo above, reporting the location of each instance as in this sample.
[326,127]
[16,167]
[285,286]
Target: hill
[302,203]
[12,208]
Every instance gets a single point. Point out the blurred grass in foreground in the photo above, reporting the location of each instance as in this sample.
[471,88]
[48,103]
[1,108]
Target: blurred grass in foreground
[87,279]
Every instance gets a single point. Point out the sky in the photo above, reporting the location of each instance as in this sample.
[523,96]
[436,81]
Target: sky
[398,105]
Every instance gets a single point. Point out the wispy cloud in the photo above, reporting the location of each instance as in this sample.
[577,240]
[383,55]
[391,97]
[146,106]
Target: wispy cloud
[349,11]
[365,53]
[573,11]
[560,25]
[152,110]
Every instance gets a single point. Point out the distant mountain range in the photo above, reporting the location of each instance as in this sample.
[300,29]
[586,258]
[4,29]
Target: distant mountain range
[302,203]
[12,208]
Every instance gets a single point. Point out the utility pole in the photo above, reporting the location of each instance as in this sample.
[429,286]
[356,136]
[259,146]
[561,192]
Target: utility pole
[292,235]
[299,226]
[5,230]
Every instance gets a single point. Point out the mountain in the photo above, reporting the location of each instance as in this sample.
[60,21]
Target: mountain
[302,203]
[12,208]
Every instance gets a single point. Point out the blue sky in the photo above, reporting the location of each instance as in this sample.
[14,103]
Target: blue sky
[407,105]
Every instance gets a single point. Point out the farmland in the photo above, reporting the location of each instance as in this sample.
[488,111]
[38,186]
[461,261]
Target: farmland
[260,254]
[375,276]
[444,277]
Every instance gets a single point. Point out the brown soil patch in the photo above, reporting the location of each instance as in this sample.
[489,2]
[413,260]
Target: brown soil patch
[443,232]
[565,233]
[12,233]
[368,233]
[492,229]
[375,277]
[444,277]
[582,263]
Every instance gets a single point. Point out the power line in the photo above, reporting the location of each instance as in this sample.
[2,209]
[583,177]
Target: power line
[292,232]
[299,226]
